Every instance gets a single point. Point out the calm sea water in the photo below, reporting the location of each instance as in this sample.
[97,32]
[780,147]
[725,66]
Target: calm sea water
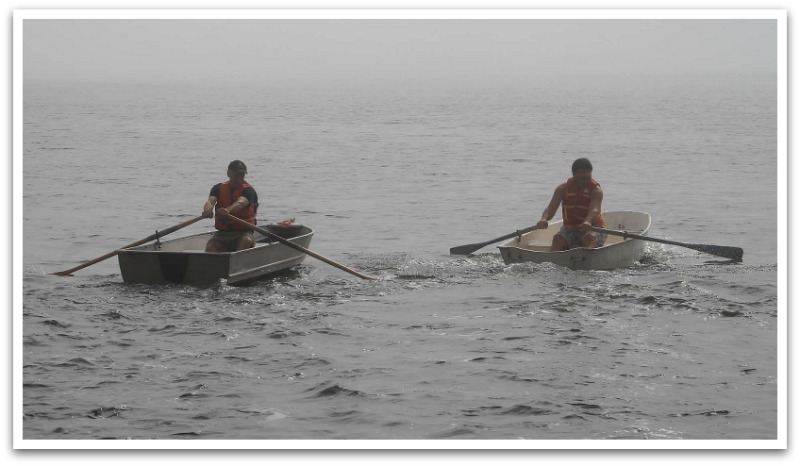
[391,175]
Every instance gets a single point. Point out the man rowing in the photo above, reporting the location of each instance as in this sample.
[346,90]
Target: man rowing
[581,198]
[238,198]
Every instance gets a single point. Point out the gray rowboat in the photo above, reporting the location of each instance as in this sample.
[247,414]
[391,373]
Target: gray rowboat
[184,260]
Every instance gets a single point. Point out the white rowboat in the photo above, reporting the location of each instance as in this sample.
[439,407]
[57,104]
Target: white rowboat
[184,260]
[617,252]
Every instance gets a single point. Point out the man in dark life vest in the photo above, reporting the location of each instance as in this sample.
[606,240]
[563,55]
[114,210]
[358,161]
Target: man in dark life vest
[581,198]
[235,197]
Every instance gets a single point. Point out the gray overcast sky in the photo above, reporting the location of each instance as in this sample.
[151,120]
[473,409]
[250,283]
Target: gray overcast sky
[259,49]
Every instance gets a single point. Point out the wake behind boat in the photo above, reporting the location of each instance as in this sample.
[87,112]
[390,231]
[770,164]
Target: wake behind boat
[617,252]
[184,260]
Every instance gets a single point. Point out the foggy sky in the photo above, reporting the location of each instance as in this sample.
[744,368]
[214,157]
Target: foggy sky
[263,49]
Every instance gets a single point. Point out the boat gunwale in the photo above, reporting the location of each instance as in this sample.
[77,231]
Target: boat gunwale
[562,257]
[605,246]
[261,243]
[146,264]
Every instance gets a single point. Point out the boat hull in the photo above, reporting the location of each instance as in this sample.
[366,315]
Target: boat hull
[184,260]
[616,253]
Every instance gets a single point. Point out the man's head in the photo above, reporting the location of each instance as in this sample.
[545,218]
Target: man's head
[582,171]
[236,172]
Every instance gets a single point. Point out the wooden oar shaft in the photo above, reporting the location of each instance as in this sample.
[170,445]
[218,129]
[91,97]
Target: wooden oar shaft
[470,248]
[134,244]
[297,247]
[731,252]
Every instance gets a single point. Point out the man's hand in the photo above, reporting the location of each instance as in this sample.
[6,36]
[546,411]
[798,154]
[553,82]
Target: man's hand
[586,227]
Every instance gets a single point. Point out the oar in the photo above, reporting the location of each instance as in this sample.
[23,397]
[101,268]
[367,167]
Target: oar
[470,248]
[313,254]
[158,234]
[730,252]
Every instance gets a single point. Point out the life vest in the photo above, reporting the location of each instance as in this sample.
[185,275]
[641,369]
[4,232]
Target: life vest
[575,205]
[227,196]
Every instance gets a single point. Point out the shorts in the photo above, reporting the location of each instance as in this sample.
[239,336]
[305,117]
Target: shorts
[575,237]
[229,239]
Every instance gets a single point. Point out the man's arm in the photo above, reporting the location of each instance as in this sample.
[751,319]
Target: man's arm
[551,209]
[595,203]
[208,208]
[240,204]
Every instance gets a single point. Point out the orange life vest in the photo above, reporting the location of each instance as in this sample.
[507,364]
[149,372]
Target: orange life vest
[227,196]
[575,205]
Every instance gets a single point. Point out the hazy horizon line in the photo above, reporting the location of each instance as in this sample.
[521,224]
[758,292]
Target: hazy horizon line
[383,78]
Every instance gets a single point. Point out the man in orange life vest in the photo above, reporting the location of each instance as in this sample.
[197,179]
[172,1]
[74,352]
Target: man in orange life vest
[581,198]
[237,198]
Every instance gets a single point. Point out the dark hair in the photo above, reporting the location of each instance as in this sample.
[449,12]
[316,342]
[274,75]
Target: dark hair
[581,163]
[237,165]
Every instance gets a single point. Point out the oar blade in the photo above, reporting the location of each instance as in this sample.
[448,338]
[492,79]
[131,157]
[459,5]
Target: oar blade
[733,253]
[466,249]
[730,252]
